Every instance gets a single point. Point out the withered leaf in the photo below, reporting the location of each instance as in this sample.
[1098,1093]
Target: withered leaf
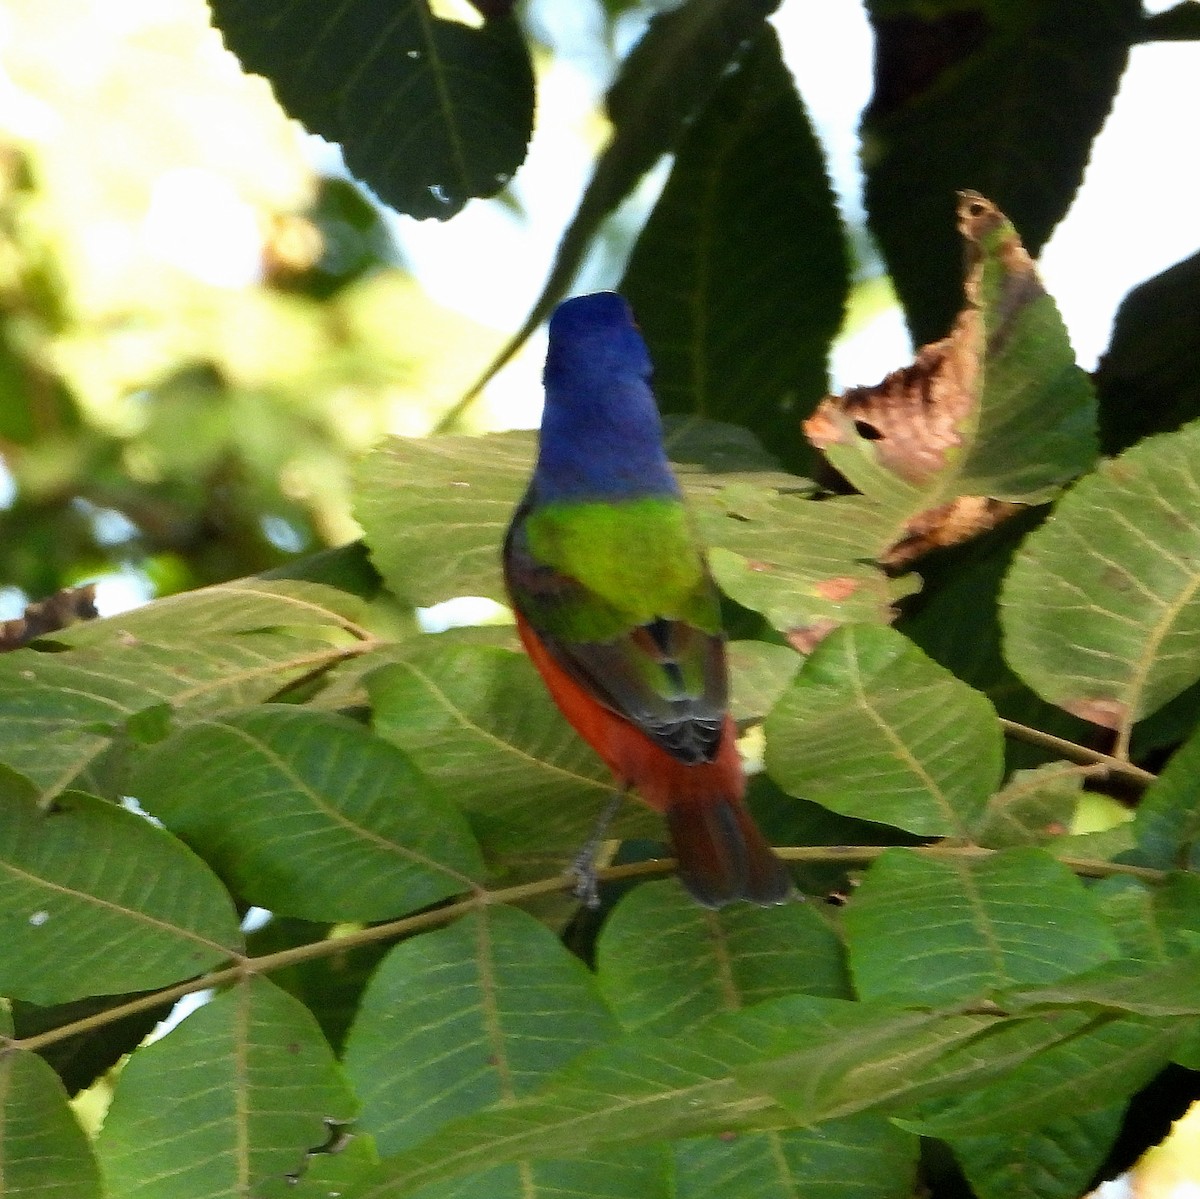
[993,416]
[48,616]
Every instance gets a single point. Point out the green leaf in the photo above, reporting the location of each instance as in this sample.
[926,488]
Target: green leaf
[96,900]
[664,82]
[1104,1063]
[1004,98]
[44,1154]
[872,728]
[709,297]
[1123,986]
[640,1090]
[956,621]
[937,932]
[1032,807]
[512,1006]
[429,112]
[60,712]
[665,964]
[1055,1162]
[1166,826]
[807,566]
[863,1157]
[435,510]
[759,673]
[230,1099]
[480,723]
[242,606]
[1101,610]
[1147,378]
[309,814]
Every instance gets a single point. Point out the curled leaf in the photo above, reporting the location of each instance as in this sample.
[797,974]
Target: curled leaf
[994,416]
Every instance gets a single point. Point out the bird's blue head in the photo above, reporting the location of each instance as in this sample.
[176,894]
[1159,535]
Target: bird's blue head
[601,433]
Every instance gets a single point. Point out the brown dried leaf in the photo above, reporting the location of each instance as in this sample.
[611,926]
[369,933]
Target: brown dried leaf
[56,612]
[936,528]
[920,419]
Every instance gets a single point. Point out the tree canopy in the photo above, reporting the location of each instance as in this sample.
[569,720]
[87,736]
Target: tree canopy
[960,606]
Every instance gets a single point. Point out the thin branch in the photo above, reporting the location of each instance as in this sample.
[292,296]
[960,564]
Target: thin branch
[1077,753]
[243,967]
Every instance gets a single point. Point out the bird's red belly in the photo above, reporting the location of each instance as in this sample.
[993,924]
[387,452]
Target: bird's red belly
[661,779]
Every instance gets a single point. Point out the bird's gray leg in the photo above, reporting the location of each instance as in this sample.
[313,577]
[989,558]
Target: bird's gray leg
[583,866]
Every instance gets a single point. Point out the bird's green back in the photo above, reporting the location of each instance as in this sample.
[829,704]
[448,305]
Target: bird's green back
[637,560]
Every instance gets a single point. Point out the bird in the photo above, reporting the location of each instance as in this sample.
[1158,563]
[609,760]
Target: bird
[617,610]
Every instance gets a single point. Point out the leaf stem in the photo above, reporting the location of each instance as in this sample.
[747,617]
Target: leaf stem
[1077,753]
[241,967]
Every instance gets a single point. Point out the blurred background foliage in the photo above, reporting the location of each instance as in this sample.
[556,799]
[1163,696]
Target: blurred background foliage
[198,331]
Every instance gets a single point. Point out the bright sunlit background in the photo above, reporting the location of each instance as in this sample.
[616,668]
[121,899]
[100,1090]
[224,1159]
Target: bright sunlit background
[167,176]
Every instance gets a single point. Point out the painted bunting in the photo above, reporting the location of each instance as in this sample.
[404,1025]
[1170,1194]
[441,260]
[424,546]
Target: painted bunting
[616,607]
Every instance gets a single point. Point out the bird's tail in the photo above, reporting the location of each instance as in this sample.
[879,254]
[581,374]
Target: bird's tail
[723,856]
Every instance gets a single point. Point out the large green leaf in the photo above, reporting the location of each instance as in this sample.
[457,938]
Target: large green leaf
[1105,1062]
[665,964]
[232,1098]
[937,932]
[1005,98]
[429,112]
[1166,826]
[738,278]
[44,1154]
[309,814]
[807,566]
[60,712]
[479,722]
[1101,609]
[200,652]
[664,82]
[641,1089]
[1055,1162]
[513,1006]
[1164,990]
[241,606]
[435,509]
[872,728]
[95,900]
[862,1157]
[1147,376]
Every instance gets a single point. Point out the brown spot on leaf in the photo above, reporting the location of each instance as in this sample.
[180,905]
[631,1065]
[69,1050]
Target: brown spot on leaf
[1106,712]
[804,639]
[948,524]
[837,589]
[758,566]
